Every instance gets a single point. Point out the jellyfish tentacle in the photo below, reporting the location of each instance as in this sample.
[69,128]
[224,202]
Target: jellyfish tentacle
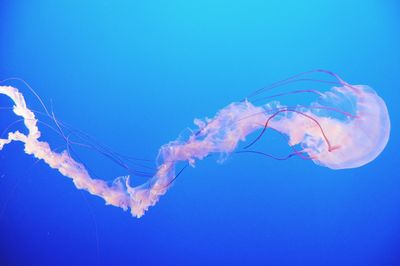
[330,148]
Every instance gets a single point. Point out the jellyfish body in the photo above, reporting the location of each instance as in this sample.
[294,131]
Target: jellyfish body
[347,126]
[354,141]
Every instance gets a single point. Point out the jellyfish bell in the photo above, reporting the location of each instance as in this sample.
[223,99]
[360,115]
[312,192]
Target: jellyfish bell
[354,141]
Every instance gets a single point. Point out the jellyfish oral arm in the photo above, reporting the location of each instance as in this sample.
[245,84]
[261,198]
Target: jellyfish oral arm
[63,162]
[349,142]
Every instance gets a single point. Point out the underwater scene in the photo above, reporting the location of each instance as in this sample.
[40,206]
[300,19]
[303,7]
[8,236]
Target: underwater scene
[199,132]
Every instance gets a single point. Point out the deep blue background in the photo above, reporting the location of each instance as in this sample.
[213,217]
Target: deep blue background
[134,74]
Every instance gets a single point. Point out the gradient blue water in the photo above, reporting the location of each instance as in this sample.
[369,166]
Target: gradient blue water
[134,74]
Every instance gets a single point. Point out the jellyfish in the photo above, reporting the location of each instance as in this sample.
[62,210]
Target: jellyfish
[344,126]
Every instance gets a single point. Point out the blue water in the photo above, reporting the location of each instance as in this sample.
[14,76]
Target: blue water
[134,75]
